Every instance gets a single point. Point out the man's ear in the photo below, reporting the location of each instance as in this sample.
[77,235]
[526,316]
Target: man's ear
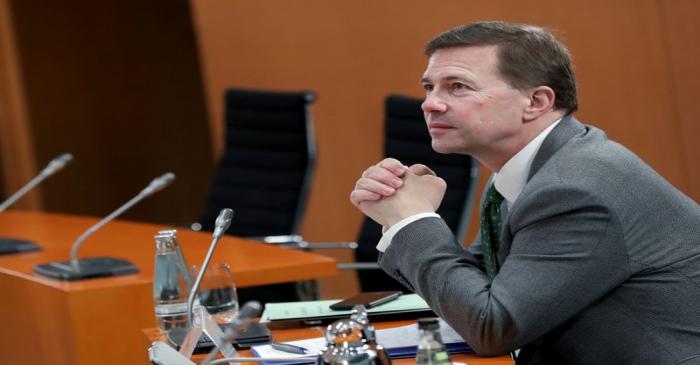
[540,101]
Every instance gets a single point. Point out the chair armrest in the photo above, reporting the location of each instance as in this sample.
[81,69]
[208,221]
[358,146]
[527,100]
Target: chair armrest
[332,245]
[296,241]
[358,266]
[281,239]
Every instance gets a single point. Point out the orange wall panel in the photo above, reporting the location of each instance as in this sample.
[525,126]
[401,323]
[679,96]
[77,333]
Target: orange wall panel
[681,24]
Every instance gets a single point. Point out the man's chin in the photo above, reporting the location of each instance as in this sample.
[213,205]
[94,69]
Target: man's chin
[443,148]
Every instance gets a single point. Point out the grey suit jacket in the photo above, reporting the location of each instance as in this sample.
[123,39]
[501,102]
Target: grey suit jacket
[599,263]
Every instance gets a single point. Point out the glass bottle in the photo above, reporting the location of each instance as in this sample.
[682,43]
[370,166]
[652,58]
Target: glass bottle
[180,257]
[431,350]
[171,283]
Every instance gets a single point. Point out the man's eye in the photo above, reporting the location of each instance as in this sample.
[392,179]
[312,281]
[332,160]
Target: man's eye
[459,86]
[427,87]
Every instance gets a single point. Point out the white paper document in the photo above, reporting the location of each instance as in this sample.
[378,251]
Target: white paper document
[390,338]
[320,308]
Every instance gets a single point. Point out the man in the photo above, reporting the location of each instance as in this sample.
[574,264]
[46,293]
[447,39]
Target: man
[585,255]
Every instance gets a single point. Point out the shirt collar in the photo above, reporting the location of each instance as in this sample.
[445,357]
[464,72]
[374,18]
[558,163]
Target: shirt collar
[511,179]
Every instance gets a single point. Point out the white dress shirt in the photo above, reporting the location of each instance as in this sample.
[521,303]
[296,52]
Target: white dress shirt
[509,181]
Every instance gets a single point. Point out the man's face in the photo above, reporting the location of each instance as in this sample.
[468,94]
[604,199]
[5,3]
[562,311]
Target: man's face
[469,107]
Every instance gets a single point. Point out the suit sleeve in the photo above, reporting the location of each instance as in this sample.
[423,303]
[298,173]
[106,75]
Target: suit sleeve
[563,257]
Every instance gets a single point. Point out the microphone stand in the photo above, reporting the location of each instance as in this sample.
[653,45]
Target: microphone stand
[13,245]
[92,267]
[204,323]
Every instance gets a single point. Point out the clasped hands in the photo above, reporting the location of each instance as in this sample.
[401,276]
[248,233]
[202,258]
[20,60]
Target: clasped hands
[389,191]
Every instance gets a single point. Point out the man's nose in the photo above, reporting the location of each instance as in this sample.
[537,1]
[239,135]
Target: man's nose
[433,104]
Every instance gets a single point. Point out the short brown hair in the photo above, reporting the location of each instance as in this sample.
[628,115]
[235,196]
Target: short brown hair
[528,56]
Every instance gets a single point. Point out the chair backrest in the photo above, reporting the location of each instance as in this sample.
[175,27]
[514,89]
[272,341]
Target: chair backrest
[406,138]
[265,172]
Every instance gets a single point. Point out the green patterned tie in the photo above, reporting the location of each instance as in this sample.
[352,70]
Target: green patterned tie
[491,229]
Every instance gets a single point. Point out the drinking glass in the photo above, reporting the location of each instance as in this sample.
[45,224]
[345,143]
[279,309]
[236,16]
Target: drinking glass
[217,293]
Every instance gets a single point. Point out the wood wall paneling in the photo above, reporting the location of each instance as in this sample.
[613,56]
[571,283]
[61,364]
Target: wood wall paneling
[3,193]
[116,83]
[16,144]
[680,21]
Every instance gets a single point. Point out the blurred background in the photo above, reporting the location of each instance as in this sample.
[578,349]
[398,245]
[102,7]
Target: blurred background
[135,88]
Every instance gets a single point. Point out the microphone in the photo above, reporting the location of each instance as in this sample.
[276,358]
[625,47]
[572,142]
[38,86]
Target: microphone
[93,267]
[239,323]
[205,324]
[223,221]
[12,245]
[56,165]
[248,311]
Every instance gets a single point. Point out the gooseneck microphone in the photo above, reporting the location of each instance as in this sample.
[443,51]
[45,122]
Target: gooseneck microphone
[77,269]
[240,322]
[13,245]
[56,165]
[238,325]
[223,221]
[155,186]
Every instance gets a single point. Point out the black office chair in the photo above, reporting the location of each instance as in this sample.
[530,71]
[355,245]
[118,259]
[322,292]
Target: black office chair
[407,139]
[265,173]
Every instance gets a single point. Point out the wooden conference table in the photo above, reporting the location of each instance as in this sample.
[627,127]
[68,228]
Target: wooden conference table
[299,333]
[100,321]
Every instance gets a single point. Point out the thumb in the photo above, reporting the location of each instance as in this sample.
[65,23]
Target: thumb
[428,176]
[420,170]
[436,181]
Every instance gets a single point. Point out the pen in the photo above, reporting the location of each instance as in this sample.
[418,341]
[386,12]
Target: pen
[289,348]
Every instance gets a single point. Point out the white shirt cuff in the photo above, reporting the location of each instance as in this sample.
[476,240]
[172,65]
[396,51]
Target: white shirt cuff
[389,234]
